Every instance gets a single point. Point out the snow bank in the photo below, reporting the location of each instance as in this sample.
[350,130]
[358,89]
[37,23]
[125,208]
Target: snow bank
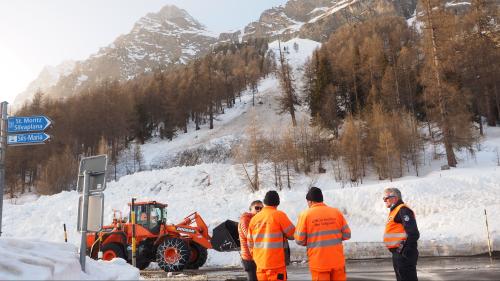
[38,260]
[449,205]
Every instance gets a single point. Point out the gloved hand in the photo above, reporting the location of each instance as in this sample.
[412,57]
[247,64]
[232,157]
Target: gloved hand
[401,249]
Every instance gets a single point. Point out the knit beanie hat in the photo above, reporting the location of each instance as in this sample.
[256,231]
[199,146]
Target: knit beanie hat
[314,194]
[272,198]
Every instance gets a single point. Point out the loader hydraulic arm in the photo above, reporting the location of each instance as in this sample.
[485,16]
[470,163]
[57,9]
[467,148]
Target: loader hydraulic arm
[195,220]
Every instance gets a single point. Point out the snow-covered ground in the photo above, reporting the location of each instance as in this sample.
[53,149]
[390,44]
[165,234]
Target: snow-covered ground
[26,259]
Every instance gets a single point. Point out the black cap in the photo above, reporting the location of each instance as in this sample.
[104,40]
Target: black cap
[314,194]
[272,198]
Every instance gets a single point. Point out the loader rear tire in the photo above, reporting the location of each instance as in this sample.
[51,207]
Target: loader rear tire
[141,265]
[198,257]
[173,255]
[111,251]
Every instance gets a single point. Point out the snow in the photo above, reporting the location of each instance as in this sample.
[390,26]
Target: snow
[454,4]
[332,10]
[414,22]
[319,9]
[26,259]
[449,205]
[296,58]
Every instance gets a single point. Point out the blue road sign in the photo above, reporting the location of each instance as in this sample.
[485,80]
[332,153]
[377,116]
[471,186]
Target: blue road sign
[18,124]
[26,139]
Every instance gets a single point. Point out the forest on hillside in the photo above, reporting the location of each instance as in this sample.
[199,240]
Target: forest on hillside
[383,81]
[114,116]
[378,91]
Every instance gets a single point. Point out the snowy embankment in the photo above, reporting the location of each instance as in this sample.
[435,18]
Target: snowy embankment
[25,259]
[449,205]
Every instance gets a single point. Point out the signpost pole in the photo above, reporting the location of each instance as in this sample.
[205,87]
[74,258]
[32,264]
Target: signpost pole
[3,151]
[85,211]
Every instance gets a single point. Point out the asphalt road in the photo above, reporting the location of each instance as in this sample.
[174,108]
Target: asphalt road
[459,268]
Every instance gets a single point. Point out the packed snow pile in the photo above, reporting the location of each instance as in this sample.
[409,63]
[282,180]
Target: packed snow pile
[26,259]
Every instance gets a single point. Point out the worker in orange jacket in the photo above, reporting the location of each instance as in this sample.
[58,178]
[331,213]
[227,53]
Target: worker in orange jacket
[322,229]
[267,232]
[246,258]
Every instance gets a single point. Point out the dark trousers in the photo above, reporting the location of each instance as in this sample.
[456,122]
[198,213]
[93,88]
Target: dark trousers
[251,269]
[405,266]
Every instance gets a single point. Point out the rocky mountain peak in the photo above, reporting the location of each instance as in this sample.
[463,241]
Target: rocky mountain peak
[172,12]
[168,18]
[170,36]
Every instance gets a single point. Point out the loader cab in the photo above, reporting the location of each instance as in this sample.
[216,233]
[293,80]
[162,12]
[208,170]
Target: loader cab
[150,215]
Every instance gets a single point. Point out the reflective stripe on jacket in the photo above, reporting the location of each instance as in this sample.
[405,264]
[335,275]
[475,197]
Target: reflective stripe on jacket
[394,232]
[266,233]
[322,229]
[243,232]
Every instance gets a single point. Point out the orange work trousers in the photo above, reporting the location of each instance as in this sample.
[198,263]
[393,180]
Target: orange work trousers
[335,274]
[277,274]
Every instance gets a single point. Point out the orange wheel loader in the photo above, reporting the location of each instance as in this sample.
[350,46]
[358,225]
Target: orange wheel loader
[173,247]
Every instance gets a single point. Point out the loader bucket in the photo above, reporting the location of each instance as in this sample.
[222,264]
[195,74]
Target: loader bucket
[225,237]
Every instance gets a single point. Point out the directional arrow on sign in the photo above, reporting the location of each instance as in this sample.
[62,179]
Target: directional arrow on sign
[26,139]
[21,124]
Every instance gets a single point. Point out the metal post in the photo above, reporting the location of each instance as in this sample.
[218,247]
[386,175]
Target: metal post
[85,211]
[132,214]
[3,152]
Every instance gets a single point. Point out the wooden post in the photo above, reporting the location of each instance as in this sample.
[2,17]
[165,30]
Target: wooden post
[65,233]
[488,234]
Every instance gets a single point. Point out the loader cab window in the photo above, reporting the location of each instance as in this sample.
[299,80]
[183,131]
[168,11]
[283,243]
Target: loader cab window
[141,215]
[156,218]
[150,216]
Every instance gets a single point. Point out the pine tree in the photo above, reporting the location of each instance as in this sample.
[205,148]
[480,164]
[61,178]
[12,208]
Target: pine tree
[289,99]
[447,107]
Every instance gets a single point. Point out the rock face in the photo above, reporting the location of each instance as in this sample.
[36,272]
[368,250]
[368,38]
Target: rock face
[170,36]
[316,19]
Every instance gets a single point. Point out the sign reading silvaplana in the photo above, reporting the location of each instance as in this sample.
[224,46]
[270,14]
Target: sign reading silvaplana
[26,139]
[19,124]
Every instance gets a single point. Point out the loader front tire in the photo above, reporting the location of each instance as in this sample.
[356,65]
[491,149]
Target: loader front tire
[173,255]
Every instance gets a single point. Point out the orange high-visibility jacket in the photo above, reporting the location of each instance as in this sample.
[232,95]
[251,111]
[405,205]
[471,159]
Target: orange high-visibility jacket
[395,232]
[243,232]
[266,233]
[322,229]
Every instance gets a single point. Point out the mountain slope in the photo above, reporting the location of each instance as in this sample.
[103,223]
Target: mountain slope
[317,19]
[47,78]
[157,40]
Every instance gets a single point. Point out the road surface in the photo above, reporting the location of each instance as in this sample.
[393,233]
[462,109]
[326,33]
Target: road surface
[460,268]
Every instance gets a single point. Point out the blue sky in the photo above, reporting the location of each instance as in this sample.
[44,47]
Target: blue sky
[35,33]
